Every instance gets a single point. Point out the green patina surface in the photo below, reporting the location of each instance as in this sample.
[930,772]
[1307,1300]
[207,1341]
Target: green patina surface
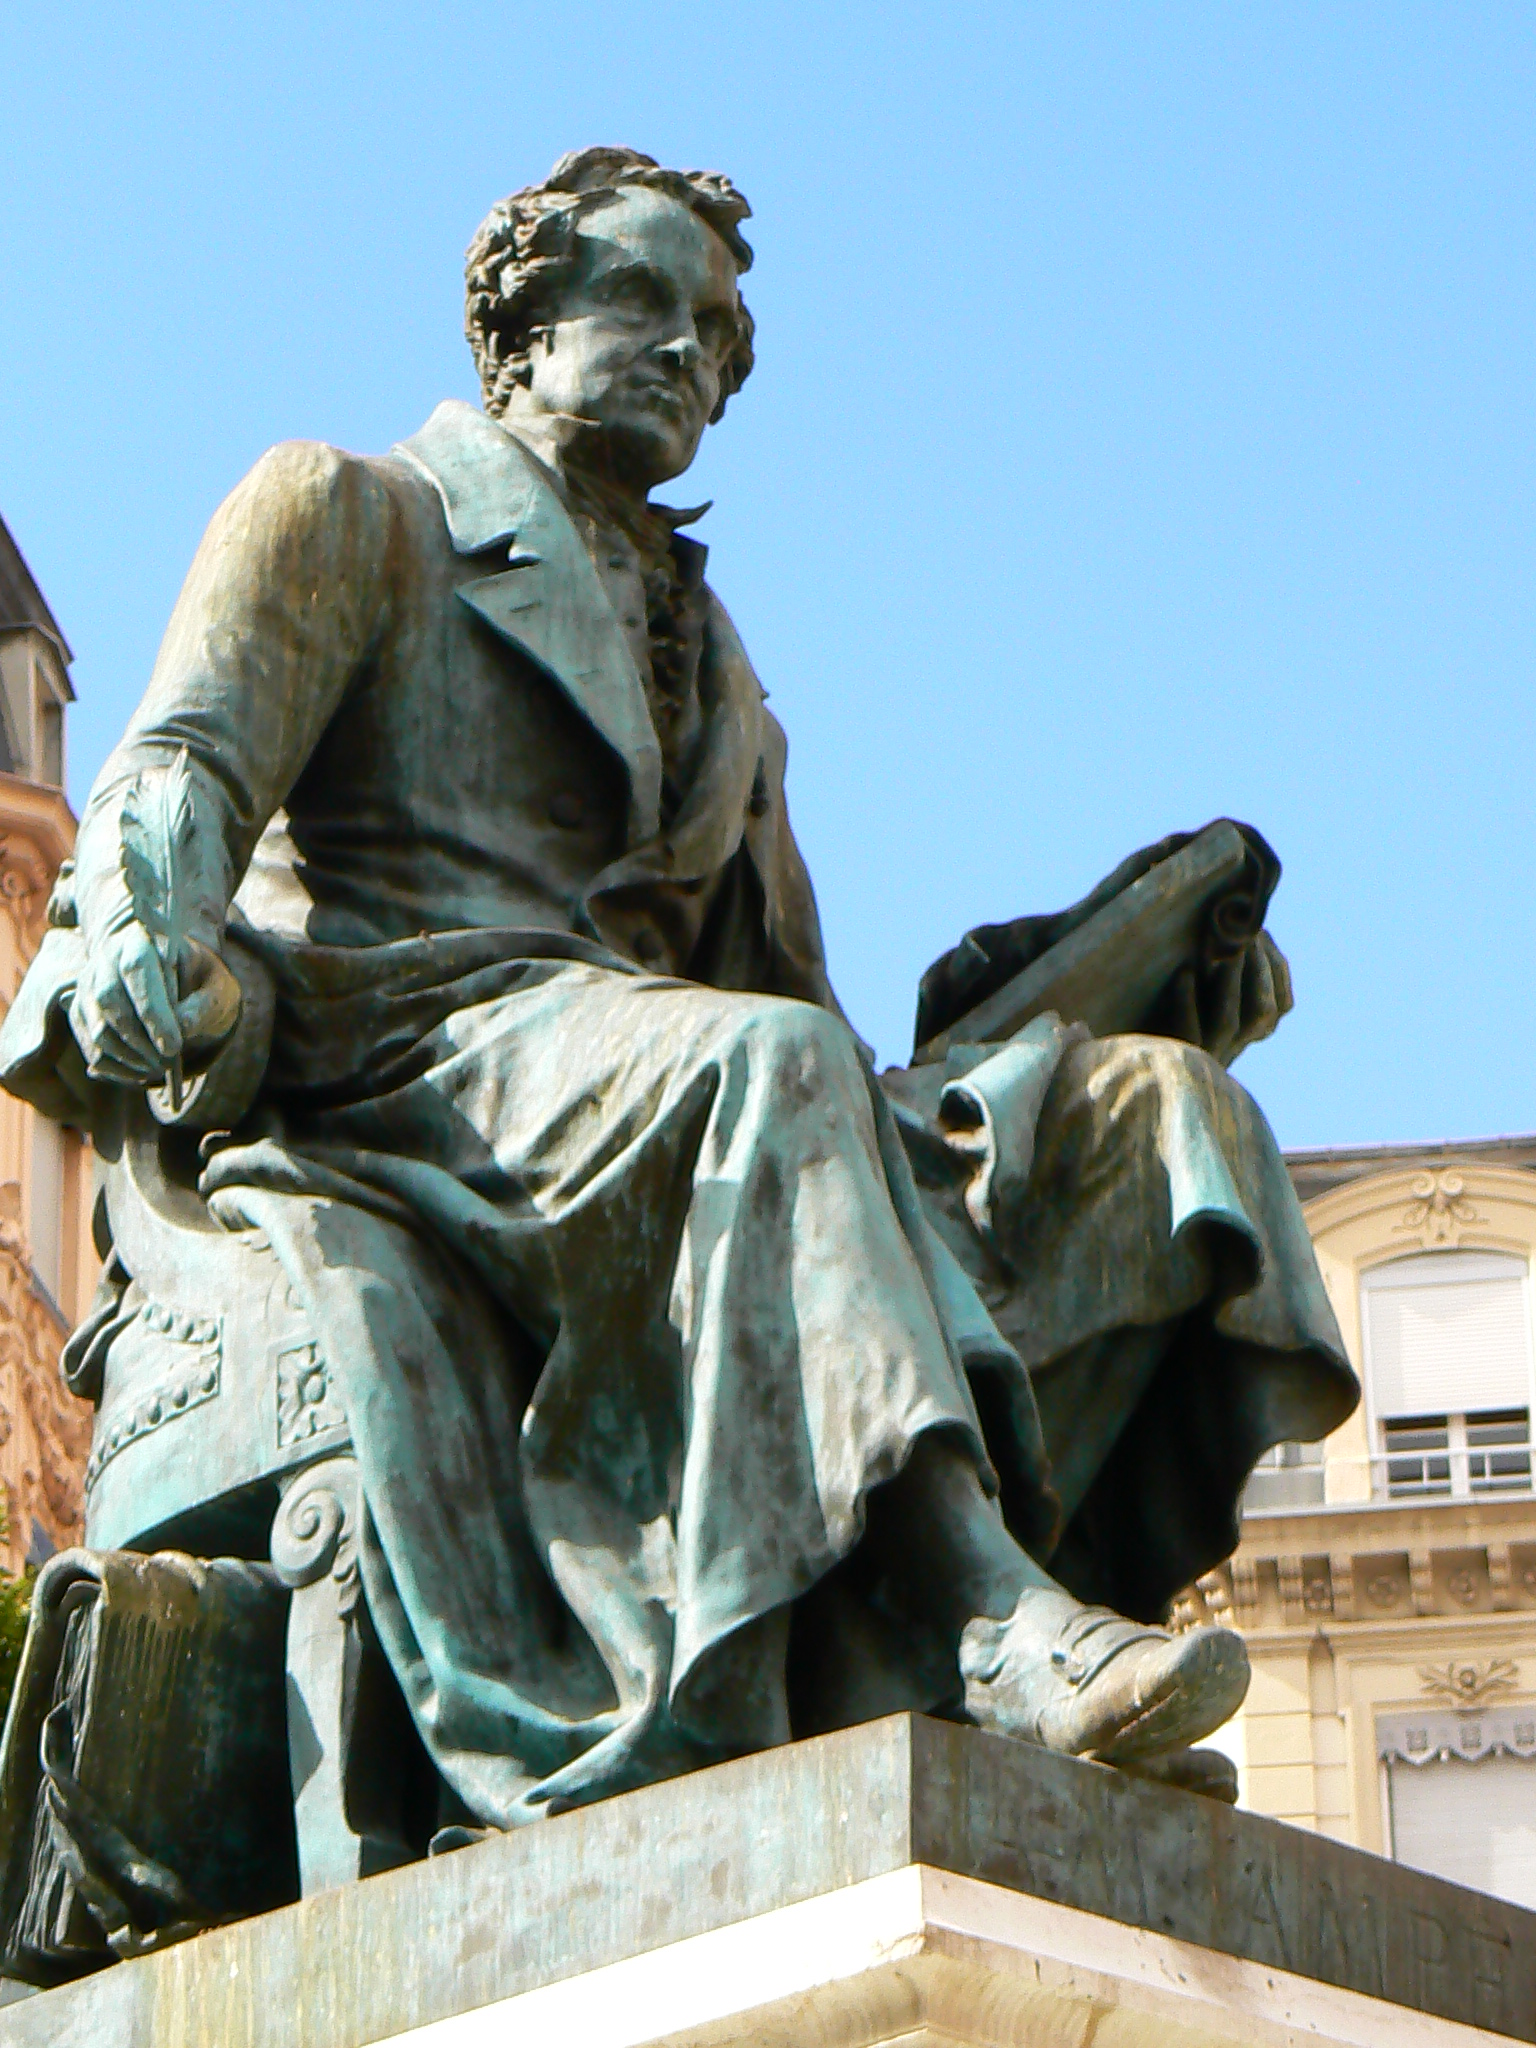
[541,1174]
[676,1860]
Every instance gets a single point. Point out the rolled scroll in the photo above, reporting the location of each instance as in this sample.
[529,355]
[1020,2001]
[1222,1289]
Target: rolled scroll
[1201,905]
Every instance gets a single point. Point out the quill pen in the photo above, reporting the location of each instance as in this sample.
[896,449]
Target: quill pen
[157,822]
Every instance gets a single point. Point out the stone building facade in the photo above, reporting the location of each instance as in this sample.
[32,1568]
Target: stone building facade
[47,1260]
[1386,1580]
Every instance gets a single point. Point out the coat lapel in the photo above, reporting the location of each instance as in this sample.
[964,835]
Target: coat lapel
[710,821]
[549,600]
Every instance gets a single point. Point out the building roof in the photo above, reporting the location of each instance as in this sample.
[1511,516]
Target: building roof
[1318,1173]
[21,602]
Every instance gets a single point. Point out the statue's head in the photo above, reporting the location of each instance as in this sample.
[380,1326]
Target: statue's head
[608,295]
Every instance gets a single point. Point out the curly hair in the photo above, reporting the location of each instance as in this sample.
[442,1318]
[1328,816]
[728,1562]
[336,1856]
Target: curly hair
[524,250]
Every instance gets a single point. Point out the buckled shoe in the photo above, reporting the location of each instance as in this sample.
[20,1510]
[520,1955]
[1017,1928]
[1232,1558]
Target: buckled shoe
[1086,1682]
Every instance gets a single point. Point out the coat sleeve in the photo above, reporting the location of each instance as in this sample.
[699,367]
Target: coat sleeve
[285,599]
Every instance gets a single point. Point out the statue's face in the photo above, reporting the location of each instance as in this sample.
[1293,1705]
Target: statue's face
[641,334]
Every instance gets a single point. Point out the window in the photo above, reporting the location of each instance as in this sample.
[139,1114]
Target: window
[1473,1822]
[1460,1793]
[1418,1455]
[1499,1451]
[1458,1455]
[1448,1361]
[1289,1476]
[51,732]
[15,702]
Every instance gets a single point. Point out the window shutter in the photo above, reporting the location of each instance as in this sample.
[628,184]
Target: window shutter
[1447,1333]
[1474,1823]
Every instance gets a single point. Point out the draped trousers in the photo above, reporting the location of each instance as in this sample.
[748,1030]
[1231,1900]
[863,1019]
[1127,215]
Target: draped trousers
[637,1289]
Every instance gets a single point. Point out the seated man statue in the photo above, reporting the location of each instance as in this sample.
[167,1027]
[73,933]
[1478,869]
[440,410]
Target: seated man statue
[706,1389]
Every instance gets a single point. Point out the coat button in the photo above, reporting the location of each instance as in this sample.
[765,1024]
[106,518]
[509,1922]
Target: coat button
[648,944]
[566,810]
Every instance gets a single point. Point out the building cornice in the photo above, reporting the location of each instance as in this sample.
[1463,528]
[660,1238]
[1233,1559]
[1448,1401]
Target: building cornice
[1400,1635]
[1320,1173]
[1431,1208]
[1371,1565]
[1385,1524]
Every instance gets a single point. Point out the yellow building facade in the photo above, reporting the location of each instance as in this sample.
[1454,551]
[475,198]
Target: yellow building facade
[1385,1582]
[48,1263]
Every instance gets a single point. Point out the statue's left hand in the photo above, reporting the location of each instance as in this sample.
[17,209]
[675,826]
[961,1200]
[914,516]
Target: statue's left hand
[1230,1006]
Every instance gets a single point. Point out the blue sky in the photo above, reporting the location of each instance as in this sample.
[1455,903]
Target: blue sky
[1142,429]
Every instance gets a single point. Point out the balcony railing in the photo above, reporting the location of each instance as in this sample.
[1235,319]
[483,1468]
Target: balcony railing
[1390,1479]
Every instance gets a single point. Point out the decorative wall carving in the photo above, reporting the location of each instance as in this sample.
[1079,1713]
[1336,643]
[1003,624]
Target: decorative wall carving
[1214,1599]
[1316,1588]
[1341,1569]
[1361,1586]
[1470,1683]
[315,1532]
[189,1358]
[1463,1585]
[49,1432]
[26,877]
[1387,1586]
[1421,1576]
[1245,1590]
[1427,1738]
[1440,1210]
[307,1401]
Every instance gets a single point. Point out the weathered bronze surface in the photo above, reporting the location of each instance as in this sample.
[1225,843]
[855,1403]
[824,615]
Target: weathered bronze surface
[507,1237]
[655,1867]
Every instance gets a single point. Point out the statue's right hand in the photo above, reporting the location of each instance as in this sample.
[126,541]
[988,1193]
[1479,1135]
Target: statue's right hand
[127,1019]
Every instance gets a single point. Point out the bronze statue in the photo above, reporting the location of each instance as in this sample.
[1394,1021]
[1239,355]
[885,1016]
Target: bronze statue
[513,1254]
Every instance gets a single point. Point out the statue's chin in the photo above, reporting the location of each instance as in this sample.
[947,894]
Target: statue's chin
[651,450]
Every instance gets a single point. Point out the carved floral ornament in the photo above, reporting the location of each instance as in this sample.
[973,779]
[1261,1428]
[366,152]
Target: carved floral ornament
[25,880]
[1469,1684]
[1441,1208]
[1466,1204]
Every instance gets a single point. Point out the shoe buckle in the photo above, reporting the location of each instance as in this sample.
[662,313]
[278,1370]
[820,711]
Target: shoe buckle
[1072,1664]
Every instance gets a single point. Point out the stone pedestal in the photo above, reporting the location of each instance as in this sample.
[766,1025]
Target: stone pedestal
[904,1882]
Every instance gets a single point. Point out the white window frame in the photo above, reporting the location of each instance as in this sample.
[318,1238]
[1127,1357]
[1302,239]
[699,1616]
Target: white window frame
[1458,1454]
[1376,1423]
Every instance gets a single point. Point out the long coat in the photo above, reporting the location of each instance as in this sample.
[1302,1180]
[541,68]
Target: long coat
[428,785]
[427,778]
[411,710]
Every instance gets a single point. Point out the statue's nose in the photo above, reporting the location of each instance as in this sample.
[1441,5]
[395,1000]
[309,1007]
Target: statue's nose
[684,350]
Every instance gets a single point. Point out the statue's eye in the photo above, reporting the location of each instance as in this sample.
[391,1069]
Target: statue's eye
[639,291]
[716,330]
